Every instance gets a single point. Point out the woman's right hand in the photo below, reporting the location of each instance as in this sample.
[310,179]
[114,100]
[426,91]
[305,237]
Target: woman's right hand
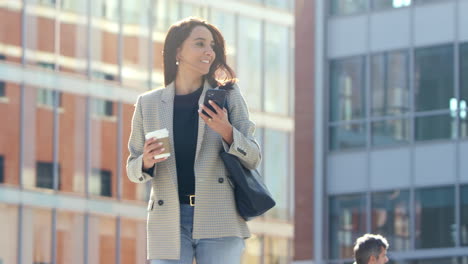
[152,148]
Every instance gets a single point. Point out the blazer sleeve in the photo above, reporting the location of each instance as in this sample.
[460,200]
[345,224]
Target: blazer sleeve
[244,145]
[135,146]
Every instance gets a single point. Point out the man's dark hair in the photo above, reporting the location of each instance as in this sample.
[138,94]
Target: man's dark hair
[369,245]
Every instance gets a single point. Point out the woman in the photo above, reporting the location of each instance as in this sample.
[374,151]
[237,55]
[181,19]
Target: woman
[192,212]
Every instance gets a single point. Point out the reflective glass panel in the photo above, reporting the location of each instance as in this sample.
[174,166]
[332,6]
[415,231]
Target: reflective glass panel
[36,235]
[9,231]
[434,77]
[390,132]
[132,241]
[277,161]
[72,143]
[253,250]
[10,133]
[226,22]
[340,7]
[136,45]
[276,69]
[104,40]
[348,136]
[389,83]
[435,217]
[250,59]
[103,177]
[10,31]
[464,215]
[347,96]
[40,34]
[73,46]
[463,104]
[277,250]
[38,123]
[70,236]
[130,190]
[101,240]
[385,4]
[435,127]
[436,261]
[391,218]
[347,223]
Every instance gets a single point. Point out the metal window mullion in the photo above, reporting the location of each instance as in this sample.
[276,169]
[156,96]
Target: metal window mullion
[457,191]
[119,150]
[118,245]
[19,249]
[262,64]
[151,27]
[412,198]
[53,251]
[120,43]
[86,237]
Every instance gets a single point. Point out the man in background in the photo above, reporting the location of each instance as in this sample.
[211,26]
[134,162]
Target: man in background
[371,249]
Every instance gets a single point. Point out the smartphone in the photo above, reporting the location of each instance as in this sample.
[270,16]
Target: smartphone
[216,95]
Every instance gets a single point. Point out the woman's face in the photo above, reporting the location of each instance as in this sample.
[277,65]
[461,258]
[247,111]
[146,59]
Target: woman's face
[196,53]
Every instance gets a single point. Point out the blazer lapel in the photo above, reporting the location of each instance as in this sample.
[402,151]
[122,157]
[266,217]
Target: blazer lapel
[201,123]
[167,120]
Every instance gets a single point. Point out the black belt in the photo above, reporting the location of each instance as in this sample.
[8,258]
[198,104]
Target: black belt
[187,199]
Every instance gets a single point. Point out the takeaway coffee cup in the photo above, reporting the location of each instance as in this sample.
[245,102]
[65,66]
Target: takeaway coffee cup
[163,136]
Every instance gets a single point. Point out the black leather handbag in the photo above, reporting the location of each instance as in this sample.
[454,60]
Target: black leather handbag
[251,195]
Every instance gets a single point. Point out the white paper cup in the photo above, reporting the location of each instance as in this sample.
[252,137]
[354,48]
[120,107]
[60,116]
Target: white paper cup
[162,135]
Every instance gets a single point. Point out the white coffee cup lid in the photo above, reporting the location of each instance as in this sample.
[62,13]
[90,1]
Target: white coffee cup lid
[161,133]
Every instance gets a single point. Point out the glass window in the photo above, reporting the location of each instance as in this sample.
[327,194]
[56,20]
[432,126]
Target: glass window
[45,175]
[102,108]
[166,12]
[40,36]
[101,240]
[434,77]
[426,1]
[277,161]
[104,40]
[390,132]
[348,136]
[435,217]
[73,45]
[385,4]
[464,215]
[226,22]
[277,250]
[70,237]
[2,89]
[253,250]
[10,133]
[436,261]
[136,45]
[435,127]
[347,96]
[72,143]
[249,58]
[340,7]
[38,147]
[389,83]
[282,4]
[10,30]
[194,10]
[463,90]
[347,223]
[130,190]
[36,235]
[132,241]
[9,230]
[276,69]
[391,217]
[103,177]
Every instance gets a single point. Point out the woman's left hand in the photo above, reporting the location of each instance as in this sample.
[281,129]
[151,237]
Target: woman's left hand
[219,121]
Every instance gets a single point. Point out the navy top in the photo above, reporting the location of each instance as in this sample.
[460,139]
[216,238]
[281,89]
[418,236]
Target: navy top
[185,127]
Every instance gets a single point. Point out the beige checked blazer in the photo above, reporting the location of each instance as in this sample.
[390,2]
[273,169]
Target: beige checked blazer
[215,212]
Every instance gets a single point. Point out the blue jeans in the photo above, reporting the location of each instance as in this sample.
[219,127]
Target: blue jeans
[226,250]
